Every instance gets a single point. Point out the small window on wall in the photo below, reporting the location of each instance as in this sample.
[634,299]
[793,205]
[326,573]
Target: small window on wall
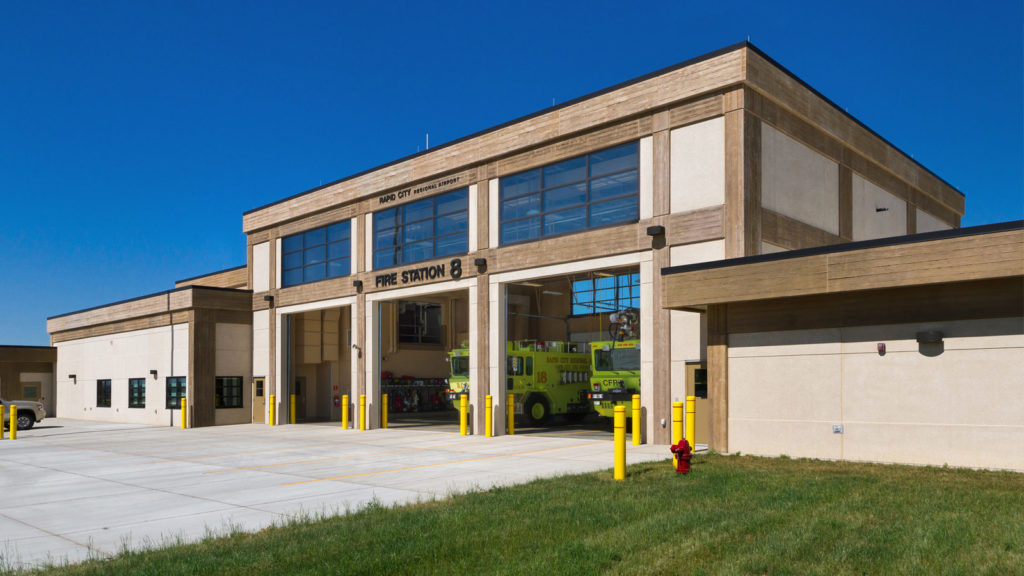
[316,254]
[419,322]
[229,392]
[103,393]
[604,294]
[137,393]
[175,392]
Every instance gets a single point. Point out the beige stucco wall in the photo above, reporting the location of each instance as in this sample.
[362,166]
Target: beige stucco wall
[234,358]
[928,223]
[798,182]
[261,343]
[698,165]
[261,267]
[117,358]
[957,403]
[876,213]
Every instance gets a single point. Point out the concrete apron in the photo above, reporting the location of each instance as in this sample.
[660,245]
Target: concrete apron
[74,490]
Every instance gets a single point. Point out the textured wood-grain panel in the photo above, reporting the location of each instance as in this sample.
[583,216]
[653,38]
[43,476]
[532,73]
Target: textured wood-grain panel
[222,299]
[780,278]
[145,306]
[718,375]
[952,259]
[27,354]
[234,278]
[957,259]
[156,321]
[998,298]
[202,336]
[845,203]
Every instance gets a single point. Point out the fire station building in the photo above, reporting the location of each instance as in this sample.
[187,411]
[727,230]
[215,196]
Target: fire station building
[769,245]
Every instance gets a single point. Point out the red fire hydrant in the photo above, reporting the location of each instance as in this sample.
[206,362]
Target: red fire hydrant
[683,455]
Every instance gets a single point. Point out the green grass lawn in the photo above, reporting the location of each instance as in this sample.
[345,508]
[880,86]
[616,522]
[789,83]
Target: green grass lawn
[732,515]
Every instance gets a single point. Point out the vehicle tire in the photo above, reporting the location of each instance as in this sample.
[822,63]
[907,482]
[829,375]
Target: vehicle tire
[26,420]
[537,411]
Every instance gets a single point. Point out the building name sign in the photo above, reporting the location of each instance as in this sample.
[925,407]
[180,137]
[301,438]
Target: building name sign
[409,192]
[411,275]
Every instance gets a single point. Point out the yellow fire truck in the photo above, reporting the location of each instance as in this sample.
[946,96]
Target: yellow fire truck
[546,378]
[615,377]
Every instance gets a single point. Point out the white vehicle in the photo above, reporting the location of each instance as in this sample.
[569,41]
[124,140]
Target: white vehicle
[28,413]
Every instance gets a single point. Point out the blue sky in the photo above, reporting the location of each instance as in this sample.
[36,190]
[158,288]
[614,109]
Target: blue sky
[133,135]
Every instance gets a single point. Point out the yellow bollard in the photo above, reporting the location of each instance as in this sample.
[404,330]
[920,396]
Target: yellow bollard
[273,412]
[463,413]
[620,442]
[184,407]
[383,410]
[677,426]
[691,421]
[2,408]
[362,411]
[488,419]
[14,421]
[291,406]
[636,419]
[511,414]
[344,412]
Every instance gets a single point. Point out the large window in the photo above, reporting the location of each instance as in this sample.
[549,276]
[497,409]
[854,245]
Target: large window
[429,228]
[590,191]
[136,392]
[316,254]
[229,392]
[606,293]
[103,393]
[175,392]
[419,322]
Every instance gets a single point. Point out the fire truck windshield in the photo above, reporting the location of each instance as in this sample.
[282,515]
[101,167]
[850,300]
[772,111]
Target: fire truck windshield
[460,366]
[617,359]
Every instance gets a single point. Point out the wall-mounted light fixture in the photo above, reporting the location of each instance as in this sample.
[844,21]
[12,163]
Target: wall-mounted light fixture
[655,230]
[359,351]
[358,285]
[481,264]
[153,373]
[929,337]
[269,299]
[73,378]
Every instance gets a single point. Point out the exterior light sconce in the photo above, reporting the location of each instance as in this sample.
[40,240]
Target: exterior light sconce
[269,300]
[929,337]
[481,264]
[359,351]
[358,285]
[73,378]
[153,373]
[655,230]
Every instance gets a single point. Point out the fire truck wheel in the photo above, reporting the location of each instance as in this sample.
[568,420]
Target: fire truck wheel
[537,410]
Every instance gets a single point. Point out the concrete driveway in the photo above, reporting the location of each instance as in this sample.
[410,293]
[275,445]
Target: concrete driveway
[72,490]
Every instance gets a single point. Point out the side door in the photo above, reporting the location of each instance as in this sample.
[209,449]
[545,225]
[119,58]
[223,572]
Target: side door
[259,402]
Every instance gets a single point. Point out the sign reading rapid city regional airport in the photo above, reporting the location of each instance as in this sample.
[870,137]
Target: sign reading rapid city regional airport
[402,194]
[432,272]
